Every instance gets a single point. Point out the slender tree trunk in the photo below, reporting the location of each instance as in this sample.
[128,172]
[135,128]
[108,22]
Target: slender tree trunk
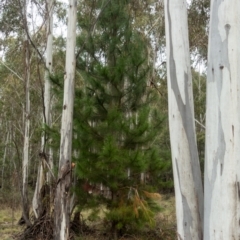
[222,151]
[47,89]
[25,162]
[40,181]
[47,98]
[45,155]
[4,160]
[62,197]
[186,168]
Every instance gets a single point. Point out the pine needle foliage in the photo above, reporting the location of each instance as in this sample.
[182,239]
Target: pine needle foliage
[115,124]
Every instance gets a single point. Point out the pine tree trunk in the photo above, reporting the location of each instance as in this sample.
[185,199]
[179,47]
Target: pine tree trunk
[186,168]
[46,112]
[222,152]
[62,197]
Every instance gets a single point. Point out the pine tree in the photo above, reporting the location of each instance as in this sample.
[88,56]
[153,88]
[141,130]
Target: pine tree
[115,123]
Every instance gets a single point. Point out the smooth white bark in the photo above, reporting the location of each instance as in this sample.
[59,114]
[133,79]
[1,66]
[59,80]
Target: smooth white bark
[62,199]
[48,64]
[222,152]
[186,168]
[39,184]
[25,161]
[47,106]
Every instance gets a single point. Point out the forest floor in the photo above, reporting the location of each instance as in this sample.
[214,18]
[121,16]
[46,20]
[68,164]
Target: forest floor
[165,228]
[8,222]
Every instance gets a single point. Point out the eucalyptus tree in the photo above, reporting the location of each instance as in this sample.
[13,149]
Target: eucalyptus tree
[23,39]
[45,155]
[185,160]
[25,162]
[222,152]
[198,20]
[62,196]
[12,108]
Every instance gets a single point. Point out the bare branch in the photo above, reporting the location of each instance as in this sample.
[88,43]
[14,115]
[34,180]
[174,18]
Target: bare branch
[11,70]
[200,123]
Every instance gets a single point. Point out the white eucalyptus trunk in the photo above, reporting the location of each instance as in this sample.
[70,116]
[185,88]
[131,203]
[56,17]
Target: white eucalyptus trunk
[222,151]
[47,86]
[46,110]
[62,197]
[39,184]
[25,162]
[48,64]
[185,161]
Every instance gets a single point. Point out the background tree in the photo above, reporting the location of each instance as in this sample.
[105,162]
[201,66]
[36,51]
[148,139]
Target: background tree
[198,26]
[12,44]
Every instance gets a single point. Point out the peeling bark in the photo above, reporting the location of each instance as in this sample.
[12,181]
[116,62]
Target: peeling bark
[222,151]
[186,168]
[36,202]
[62,197]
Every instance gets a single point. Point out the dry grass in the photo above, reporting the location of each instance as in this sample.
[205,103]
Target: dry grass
[165,228]
[166,219]
[165,225]
[8,222]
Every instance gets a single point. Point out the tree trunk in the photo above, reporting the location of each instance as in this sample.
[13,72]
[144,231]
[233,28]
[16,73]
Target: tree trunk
[62,197]
[186,168]
[25,162]
[222,151]
[4,160]
[36,204]
[46,155]
[47,88]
